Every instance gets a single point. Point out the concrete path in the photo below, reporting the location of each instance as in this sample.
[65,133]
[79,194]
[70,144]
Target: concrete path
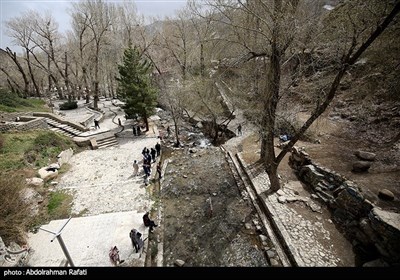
[100,181]
[88,240]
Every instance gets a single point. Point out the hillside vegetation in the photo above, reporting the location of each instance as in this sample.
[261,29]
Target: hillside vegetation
[21,155]
[11,102]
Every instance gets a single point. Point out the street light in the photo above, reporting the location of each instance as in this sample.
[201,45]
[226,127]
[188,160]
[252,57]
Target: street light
[61,241]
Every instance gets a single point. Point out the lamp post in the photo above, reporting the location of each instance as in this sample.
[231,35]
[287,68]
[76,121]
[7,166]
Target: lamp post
[61,241]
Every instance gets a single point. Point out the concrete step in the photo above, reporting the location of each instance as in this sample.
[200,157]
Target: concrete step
[56,129]
[69,130]
[106,140]
[113,144]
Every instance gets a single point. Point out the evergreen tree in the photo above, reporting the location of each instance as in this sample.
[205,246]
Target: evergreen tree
[135,87]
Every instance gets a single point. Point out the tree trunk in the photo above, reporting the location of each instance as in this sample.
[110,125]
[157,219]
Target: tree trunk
[96,94]
[146,121]
[178,143]
[28,60]
[9,80]
[14,58]
[49,74]
[272,171]
[96,77]
[270,105]
[202,66]
[175,120]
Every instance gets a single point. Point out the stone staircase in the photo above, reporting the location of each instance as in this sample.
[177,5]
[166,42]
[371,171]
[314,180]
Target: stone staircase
[106,140]
[63,128]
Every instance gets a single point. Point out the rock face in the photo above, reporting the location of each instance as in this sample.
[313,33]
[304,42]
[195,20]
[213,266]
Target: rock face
[361,166]
[365,155]
[387,226]
[386,195]
[65,156]
[366,225]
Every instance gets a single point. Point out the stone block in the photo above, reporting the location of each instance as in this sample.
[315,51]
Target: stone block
[361,166]
[46,174]
[385,194]
[365,155]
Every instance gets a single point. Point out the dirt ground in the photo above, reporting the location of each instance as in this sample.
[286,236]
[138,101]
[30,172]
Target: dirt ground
[196,232]
[336,152]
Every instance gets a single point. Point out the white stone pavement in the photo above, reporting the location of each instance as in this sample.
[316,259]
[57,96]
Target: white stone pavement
[309,240]
[101,181]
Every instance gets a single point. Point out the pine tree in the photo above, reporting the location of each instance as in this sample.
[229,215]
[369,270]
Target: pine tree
[135,87]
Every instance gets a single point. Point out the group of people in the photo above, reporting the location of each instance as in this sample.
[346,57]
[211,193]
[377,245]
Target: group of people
[136,239]
[149,157]
[136,130]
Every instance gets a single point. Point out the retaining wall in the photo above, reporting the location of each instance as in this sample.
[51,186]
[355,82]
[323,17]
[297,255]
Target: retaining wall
[375,233]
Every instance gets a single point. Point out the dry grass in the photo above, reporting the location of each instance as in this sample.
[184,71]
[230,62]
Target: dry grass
[13,211]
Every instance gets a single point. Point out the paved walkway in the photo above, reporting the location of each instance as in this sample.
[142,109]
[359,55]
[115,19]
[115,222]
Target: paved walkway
[304,224]
[101,181]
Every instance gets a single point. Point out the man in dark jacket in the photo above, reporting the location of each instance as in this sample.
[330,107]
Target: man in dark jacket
[148,222]
[136,238]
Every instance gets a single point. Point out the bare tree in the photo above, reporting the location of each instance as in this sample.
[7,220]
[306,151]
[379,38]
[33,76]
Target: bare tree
[94,17]
[20,29]
[46,37]
[274,27]
[176,40]
[21,70]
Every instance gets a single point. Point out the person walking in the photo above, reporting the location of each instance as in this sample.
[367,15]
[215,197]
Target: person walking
[136,238]
[239,129]
[134,130]
[159,170]
[96,124]
[135,168]
[158,148]
[168,131]
[153,154]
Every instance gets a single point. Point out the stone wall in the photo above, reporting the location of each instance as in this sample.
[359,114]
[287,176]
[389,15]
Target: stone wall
[374,233]
[25,123]
[61,120]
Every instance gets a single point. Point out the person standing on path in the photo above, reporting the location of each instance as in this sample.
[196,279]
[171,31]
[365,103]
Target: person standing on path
[96,124]
[135,168]
[159,170]
[153,154]
[136,238]
[239,129]
[158,149]
[119,122]
[168,131]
